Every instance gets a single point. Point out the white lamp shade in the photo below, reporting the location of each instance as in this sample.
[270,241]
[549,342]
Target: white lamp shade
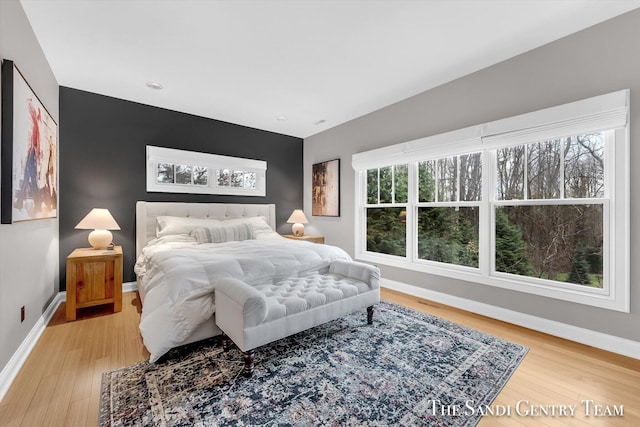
[100,221]
[297,217]
[98,218]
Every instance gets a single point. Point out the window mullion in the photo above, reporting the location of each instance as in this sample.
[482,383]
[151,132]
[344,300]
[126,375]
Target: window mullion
[486,232]
[525,175]
[361,212]
[393,184]
[436,179]
[378,185]
[457,160]
[563,142]
[411,209]
[548,202]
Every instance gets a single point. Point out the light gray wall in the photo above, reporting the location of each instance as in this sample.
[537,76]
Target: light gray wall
[597,60]
[28,250]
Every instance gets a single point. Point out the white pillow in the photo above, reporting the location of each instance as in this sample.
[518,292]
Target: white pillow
[222,233]
[167,225]
[257,223]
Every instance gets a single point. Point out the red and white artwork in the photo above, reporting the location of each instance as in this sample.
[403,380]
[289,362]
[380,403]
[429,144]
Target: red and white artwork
[35,193]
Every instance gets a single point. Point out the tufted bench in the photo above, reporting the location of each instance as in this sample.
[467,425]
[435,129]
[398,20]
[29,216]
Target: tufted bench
[256,315]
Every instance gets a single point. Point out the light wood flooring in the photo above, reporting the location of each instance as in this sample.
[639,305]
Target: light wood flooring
[59,384]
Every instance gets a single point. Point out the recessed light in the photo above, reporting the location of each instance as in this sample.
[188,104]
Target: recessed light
[154,85]
[281,118]
[319,122]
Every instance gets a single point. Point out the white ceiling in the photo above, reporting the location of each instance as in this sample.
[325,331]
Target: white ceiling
[249,62]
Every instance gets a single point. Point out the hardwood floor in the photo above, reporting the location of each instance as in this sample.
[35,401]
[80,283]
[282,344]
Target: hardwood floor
[59,384]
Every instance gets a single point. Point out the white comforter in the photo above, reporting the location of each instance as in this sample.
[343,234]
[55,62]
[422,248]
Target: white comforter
[178,279]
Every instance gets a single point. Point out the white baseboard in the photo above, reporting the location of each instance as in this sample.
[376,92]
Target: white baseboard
[11,369]
[129,287]
[574,333]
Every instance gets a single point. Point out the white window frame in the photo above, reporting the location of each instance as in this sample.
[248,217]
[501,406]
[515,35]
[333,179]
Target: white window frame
[213,162]
[601,113]
[366,205]
[443,204]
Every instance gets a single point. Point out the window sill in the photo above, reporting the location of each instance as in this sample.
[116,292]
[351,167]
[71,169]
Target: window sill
[592,297]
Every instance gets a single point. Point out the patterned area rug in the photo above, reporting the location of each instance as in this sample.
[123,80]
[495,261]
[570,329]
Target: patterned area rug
[345,372]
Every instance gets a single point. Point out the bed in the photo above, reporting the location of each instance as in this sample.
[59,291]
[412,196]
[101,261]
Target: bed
[177,272]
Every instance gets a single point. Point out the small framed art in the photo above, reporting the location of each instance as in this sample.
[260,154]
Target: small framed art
[326,188]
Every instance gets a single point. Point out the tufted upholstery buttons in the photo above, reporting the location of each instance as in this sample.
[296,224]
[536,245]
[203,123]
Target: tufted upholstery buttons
[290,296]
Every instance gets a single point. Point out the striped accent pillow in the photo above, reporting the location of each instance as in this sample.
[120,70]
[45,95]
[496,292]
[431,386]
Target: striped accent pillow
[222,233]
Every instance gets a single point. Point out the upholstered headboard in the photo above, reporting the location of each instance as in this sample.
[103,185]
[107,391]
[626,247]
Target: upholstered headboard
[147,212]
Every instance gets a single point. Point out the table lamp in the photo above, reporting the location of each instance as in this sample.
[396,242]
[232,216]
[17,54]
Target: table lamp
[297,218]
[100,221]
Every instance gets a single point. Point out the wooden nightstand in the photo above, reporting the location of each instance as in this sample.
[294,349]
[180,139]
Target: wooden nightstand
[94,277]
[314,239]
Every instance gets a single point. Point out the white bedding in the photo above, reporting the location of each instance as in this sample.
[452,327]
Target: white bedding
[178,276]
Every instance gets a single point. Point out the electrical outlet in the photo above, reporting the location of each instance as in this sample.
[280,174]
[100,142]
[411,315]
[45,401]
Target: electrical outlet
[22,314]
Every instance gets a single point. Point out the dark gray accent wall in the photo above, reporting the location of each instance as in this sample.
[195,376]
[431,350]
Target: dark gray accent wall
[103,163]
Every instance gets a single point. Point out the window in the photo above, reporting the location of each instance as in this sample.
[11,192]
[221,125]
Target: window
[537,203]
[449,195]
[549,209]
[386,210]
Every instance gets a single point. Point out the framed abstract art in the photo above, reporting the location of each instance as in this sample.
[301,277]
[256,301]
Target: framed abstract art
[29,145]
[326,188]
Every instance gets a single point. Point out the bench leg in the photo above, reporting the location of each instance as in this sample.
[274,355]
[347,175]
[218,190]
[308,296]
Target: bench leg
[370,315]
[248,363]
[226,342]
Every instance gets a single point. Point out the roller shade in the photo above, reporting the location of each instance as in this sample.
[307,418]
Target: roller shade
[445,144]
[603,112]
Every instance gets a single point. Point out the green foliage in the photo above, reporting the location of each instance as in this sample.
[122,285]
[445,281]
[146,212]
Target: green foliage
[426,181]
[386,185]
[448,235]
[393,184]
[386,227]
[511,256]
[386,231]
[594,258]
[401,177]
[579,267]
[372,186]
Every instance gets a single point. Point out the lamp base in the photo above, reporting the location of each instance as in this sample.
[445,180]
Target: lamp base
[100,239]
[297,229]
